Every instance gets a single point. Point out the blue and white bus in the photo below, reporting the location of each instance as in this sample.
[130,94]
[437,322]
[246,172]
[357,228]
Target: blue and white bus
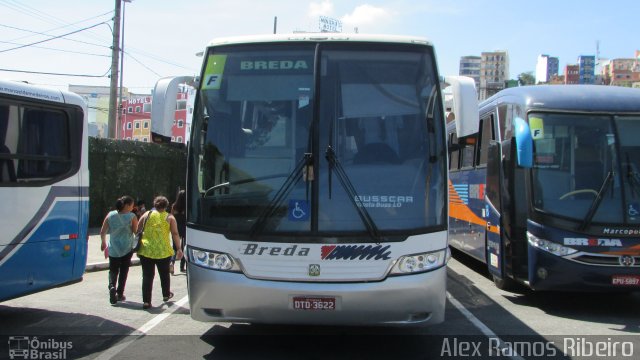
[545,187]
[316,181]
[44,181]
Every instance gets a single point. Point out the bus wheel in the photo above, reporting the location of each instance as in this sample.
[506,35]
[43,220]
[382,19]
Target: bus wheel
[504,283]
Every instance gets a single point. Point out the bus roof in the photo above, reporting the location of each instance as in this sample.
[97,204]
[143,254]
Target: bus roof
[39,92]
[318,37]
[588,98]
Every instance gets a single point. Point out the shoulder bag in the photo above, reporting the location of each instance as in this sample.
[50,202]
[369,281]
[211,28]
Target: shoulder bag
[137,240]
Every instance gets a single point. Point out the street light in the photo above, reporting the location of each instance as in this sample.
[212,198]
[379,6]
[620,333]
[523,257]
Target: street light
[120,108]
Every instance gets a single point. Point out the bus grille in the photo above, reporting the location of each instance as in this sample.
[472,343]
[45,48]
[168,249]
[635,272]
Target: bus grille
[603,260]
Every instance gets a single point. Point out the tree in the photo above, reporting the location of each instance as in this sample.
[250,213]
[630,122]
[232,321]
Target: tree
[526,78]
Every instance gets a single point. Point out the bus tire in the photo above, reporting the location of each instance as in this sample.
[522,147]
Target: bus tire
[504,284]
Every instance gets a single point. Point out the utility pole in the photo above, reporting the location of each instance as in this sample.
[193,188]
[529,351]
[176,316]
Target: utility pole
[113,91]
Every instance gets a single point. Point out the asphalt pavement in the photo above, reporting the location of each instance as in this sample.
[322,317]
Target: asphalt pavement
[95,257]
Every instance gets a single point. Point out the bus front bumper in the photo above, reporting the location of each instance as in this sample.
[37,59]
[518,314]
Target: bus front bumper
[416,300]
[553,272]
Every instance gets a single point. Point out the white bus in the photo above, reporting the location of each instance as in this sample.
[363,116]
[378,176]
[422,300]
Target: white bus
[317,181]
[44,187]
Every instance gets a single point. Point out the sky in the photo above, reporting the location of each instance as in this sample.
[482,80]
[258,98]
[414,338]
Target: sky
[161,38]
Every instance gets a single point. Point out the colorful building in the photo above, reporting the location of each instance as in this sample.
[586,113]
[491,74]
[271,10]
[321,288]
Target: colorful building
[135,117]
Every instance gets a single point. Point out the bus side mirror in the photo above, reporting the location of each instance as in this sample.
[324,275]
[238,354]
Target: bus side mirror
[464,104]
[524,143]
[164,102]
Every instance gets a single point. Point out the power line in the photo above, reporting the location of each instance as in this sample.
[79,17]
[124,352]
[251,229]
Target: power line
[61,27]
[54,49]
[53,38]
[21,8]
[57,74]
[143,65]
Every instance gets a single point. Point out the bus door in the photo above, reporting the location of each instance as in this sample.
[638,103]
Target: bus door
[494,199]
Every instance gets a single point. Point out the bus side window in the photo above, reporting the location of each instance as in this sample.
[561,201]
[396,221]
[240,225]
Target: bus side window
[486,135]
[468,152]
[505,119]
[454,157]
[7,165]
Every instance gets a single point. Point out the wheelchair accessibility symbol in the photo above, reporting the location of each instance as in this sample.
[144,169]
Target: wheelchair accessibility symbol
[298,210]
[633,210]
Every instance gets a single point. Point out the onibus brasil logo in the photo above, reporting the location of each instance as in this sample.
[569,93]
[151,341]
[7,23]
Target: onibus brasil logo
[25,347]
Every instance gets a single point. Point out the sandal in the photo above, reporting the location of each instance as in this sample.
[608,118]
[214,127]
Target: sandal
[166,298]
[146,305]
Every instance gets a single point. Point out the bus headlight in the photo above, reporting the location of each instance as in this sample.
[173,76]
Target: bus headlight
[411,264]
[549,246]
[212,260]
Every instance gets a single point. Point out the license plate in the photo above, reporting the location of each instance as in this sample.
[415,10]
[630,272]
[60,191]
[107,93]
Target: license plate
[625,280]
[314,303]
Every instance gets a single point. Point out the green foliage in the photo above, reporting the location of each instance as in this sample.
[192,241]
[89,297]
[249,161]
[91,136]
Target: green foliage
[140,170]
[527,78]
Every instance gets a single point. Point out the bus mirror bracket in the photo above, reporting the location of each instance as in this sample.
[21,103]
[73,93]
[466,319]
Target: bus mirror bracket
[524,143]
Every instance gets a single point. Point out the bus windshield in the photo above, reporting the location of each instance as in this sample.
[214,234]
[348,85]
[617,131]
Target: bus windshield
[340,139]
[578,157]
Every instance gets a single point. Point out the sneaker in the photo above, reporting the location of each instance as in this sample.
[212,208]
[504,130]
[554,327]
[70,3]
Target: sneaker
[113,296]
[166,298]
[122,297]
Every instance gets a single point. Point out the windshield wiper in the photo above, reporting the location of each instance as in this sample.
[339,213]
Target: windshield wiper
[334,163]
[282,194]
[596,202]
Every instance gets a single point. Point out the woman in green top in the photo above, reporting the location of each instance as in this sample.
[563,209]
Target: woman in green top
[156,250]
[121,224]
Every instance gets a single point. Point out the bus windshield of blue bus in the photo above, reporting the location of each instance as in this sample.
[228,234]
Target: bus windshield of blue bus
[584,162]
[301,141]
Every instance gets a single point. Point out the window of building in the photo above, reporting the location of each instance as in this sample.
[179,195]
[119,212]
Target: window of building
[146,108]
[138,109]
[180,123]
[137,125]
[146,124]
[130,109]
[129,125]
[181,104]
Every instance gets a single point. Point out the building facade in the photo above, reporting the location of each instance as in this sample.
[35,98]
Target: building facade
[97,99]
[622,72]
[494,73]
[587,67]
[572,74]
[471,66]
[546,68]
[135,118]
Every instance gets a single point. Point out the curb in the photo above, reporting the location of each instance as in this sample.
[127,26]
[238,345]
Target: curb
[105,265]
